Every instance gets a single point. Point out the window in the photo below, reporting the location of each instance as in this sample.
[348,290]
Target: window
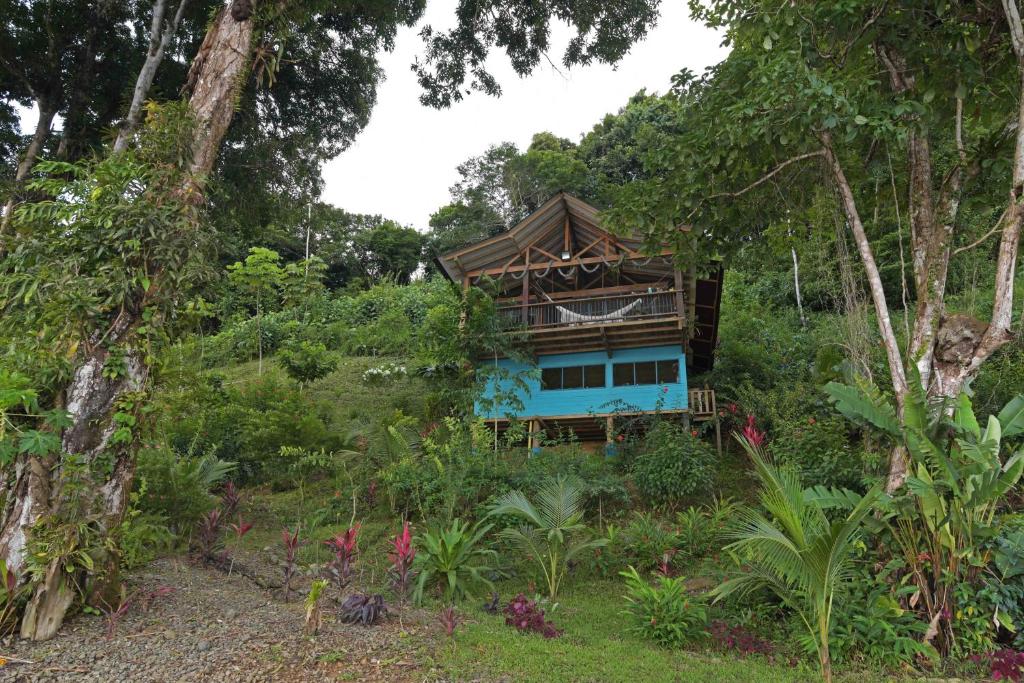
[622,374]
[593,376]
[647,372]
[574,377]
[668,371]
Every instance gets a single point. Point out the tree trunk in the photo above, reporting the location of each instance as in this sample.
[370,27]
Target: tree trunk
[46,113]
[160,37]
[796,286]
[217,73]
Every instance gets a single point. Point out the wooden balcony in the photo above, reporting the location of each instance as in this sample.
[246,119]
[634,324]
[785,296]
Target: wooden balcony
[599,321]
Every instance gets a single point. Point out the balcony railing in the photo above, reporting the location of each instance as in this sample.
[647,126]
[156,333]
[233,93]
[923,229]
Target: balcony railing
[596,310]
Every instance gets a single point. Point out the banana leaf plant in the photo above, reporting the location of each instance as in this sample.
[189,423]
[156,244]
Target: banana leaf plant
[948,511]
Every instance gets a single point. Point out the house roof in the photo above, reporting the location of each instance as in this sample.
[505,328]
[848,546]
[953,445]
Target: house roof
[542,236]
[566,223]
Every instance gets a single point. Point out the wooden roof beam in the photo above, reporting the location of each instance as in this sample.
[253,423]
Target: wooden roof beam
[561,264]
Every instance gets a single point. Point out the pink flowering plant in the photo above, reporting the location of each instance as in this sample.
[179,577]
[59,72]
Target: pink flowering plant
[402,554]
[345,547]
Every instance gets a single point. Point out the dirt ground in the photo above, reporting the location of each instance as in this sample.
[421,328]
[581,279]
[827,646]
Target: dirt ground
[214,627]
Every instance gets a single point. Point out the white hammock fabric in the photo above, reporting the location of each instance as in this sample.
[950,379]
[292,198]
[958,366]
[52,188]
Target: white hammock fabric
[567,316]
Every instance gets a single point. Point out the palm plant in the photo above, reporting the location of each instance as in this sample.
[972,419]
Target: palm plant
[453,559]
[554,533]
[793,549]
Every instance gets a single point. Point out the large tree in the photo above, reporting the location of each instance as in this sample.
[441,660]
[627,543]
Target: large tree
[841,97]
[110,359]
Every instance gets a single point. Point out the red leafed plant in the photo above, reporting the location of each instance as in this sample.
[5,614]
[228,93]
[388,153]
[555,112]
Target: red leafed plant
[114,614]
[524,614]
[449,620]
[291,549]
[401,557]
[345,550]
[240,529]
[1004,665]
[230,499]
[737,638]
[752,434]
[208,540]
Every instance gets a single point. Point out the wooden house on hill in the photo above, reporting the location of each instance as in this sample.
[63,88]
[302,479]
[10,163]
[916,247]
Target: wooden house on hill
[615,331]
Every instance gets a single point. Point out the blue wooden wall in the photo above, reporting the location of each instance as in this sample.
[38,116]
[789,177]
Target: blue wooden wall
[600,400]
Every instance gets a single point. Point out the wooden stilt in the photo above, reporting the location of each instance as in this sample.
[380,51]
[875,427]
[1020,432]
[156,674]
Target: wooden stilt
[718,422]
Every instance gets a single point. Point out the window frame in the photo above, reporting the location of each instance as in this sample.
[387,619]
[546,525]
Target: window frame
[583,377]
[657,367]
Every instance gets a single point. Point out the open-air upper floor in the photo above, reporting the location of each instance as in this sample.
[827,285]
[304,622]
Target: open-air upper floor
[575,287]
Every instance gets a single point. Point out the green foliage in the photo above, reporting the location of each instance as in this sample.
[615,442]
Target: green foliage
[821,449]
[249,423]
[794,550]
[552,533]
[177,488]
[870,622]
[666,613]
[948,510]
[453,561]
[306,362]
[647,541]
[24,427]
[674,464]
[116,226]
[603,488]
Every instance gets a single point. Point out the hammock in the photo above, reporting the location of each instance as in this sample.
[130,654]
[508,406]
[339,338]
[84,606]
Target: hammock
[567,316]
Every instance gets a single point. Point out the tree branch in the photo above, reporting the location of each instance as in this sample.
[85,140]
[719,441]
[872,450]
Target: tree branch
[760,181]
[996,228]
[1016,28]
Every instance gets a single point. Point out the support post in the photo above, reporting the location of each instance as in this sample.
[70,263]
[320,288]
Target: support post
[526,295]
[718,422]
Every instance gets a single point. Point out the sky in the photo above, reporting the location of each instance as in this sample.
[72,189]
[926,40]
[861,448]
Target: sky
[403,163]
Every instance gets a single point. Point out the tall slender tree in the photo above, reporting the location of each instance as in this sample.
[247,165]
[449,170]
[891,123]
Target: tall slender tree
[831,91]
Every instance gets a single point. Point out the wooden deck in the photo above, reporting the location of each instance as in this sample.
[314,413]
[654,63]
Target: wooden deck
[599,321]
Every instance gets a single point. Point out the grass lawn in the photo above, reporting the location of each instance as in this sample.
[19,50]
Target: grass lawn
[595,647]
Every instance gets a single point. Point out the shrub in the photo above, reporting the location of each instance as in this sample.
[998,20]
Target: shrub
[402,558]
[525,615]
[674,464]
[700,528]
[345,550]
[601,486]
[870,623]
[306,362]
[1004,665]
[821,449]
[665,613]
[646,541]
[178,487]
[453,560]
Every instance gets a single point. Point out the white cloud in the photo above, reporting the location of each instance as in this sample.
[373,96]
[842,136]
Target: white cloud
[402,165]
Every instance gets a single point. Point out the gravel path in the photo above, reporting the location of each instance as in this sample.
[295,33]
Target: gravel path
[218,628]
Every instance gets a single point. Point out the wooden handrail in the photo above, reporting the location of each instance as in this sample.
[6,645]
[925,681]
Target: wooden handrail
[592,310]
[568,302]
